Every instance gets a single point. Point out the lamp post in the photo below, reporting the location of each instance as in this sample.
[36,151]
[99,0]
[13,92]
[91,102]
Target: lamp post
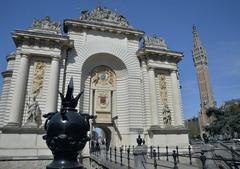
[67,132]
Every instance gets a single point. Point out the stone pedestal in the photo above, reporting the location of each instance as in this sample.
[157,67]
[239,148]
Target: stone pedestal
[24,142]
[171,137]
[140,155]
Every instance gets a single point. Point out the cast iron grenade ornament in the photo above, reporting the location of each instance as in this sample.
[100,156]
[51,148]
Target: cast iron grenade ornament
[67,132]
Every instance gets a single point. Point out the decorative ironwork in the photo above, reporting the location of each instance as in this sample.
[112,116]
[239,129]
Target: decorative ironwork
[67,132]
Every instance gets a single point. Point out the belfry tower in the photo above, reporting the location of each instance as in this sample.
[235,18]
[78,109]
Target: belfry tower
[204,84]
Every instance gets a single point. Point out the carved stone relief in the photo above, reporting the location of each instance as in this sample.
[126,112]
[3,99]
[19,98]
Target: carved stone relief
[105,16]
[38,78]
[163,89]
[154,41]
[103,101]
[46,24]
[166,113]
[103,77]
[103,82]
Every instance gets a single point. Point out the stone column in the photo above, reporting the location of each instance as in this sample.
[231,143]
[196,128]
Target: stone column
[51,104]
[19,92]
[153,98]
[176,98]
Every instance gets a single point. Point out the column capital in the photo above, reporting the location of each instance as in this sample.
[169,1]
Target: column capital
[174,71]
[56,58]
[25,55]
[151,68]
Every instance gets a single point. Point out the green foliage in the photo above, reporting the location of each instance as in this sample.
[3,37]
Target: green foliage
[193,127]
[225,120]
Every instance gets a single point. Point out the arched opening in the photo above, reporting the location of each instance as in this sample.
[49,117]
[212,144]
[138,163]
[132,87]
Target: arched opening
[101,138]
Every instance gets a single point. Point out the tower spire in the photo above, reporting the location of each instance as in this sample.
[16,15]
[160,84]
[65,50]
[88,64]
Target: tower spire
[204,83]
[196,39]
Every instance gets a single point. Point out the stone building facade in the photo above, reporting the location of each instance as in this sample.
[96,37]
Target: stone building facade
[130,80]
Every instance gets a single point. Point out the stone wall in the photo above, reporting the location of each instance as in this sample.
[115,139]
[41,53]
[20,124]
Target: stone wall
[32,163]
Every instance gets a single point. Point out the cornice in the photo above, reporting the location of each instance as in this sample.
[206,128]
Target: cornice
[30,38]
[80,24]
[148,52]
[7,73]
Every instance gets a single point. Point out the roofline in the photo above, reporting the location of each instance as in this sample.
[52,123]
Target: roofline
[39,34]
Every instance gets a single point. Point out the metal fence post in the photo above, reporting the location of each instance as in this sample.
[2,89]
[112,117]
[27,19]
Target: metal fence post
[154,158]
[158,148]
[190,155]
[106,154]
[115,154]
[151,151]
[167,152]
[175,159]
[233,157]
[128,157]
[203,159]
[121,150]
[110,154]
[177,154]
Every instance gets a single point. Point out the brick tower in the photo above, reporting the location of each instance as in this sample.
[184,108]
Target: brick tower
[204,84]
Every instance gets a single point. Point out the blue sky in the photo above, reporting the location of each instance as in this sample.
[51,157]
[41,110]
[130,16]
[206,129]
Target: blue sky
[218,23]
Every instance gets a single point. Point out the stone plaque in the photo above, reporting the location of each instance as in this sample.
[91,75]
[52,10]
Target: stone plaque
[103,101]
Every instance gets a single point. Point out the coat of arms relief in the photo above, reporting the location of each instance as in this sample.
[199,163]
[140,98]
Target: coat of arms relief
[103,82]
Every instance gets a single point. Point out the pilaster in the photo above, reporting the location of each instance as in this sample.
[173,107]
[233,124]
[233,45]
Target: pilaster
[176,98]
[53,86]
[19,92]
[153,97]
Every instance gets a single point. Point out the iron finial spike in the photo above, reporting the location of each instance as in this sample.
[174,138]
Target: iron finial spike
[69,94]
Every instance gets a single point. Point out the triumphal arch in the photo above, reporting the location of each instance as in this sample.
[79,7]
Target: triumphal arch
[130,81]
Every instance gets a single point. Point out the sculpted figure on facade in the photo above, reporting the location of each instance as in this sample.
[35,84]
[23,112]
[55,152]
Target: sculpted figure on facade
[34,113]
[154,41]
[163,89]
[167,119]
[46,24]
[104,15]
[38,78]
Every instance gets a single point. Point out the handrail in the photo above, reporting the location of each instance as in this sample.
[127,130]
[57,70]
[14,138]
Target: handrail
[230,149]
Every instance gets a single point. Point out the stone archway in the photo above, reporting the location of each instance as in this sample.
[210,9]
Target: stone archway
[104,79]
[106,135]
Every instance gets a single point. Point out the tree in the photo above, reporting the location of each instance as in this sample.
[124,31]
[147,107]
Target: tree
[225,120]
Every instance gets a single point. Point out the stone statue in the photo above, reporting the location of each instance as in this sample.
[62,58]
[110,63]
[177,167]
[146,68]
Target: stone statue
[139,140]
[167,119]
[33,114]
